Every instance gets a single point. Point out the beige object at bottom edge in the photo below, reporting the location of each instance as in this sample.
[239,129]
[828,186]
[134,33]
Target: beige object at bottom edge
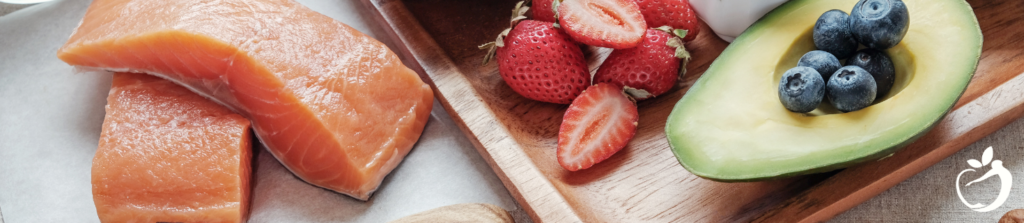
[1012,216]
[461,213]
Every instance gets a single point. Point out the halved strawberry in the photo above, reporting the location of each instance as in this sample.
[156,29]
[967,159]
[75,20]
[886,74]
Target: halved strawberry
[615,24]
[597,124]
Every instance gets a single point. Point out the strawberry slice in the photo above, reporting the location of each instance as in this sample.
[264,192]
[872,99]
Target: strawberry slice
[615,24]
[597,124]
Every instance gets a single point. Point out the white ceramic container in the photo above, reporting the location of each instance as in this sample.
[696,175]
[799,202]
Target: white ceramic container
[728,18]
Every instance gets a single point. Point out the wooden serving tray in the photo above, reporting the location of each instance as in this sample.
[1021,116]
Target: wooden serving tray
[644,182]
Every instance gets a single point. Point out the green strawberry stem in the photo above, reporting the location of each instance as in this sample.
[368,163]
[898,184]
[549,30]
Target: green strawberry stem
[681,33]
[677,43]
[554,7]
[518,14]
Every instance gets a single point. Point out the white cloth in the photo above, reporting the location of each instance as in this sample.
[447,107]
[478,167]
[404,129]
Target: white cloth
[930,196]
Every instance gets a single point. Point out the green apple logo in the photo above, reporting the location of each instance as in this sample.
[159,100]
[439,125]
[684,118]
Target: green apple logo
[1005,179]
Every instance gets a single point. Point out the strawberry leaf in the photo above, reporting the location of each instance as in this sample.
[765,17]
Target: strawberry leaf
[667,29]
[554,7]
[491,50]
[637,93]
[500,41]
[518,14]
[681,33]
[974,163]
[681,53]
[492,47]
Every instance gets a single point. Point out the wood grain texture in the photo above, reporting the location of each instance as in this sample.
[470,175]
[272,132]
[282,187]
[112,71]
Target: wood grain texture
[644,182]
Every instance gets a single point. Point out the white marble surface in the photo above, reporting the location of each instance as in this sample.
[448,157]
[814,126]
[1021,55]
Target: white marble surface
[50,118]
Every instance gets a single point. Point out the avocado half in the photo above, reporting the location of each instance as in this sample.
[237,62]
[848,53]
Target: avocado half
[730,125]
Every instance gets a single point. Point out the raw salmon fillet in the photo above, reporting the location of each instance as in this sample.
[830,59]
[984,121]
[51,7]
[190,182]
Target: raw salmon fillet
[335,106]
[169,155]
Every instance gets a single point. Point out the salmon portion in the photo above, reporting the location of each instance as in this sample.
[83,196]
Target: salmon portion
[335,106]
[169,155]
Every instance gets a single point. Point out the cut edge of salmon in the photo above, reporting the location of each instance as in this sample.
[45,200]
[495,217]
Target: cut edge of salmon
[124,82]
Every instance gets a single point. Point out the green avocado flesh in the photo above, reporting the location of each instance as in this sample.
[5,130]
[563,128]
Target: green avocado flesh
[731,126]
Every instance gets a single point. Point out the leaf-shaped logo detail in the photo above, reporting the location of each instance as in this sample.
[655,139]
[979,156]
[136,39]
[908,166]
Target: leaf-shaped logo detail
[974,163]
[986,157]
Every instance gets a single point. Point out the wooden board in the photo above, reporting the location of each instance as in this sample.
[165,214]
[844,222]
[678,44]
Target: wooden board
[644,182]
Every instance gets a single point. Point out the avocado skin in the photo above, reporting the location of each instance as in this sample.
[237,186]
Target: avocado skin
[881,155]
[682,145]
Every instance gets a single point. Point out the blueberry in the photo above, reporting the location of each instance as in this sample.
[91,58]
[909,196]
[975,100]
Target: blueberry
[878,64]
[851,88]
[801,89]
[832,34]
[825,63]
[879,24]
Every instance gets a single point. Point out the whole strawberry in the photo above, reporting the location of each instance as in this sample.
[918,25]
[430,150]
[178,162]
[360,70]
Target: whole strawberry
[543,11]
[673,13]
[539,61]
[650,69]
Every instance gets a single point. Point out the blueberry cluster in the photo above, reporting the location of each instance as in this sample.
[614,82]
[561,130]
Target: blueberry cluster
[869,73]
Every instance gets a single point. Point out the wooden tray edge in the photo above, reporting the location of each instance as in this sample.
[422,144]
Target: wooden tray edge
[415,43]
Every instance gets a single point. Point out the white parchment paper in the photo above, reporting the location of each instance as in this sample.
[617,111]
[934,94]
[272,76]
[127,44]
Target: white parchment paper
[50,118]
